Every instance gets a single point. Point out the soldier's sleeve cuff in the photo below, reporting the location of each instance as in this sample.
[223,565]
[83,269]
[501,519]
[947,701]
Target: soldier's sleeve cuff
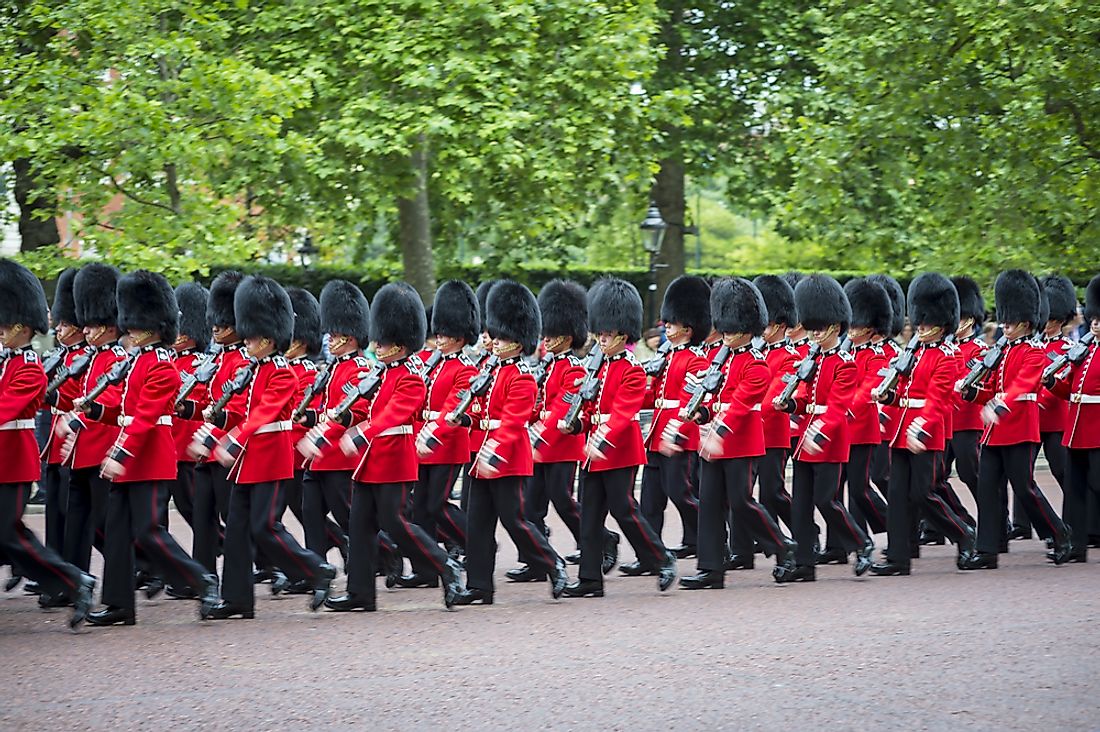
[95,410]
[233,447]
[358,440]
[51,399]
[186,409]
[220,419]
[345,420]
[309,419]
[120,455]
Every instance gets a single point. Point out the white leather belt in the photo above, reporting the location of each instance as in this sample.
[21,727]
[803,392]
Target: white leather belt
[57,412]
[1030,397]
[126,420]
[18,424]
[427,415]
[405,429]
[284,426]
[723,407]
[913,403]
[1084,398]
[666,404]
[818,409]
[598,419]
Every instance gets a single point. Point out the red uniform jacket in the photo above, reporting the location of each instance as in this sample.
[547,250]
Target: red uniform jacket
[449,377]
[1082,389]
[1017,379]
[389,455]
[94,439]
[230,360]
[476,438]
[866,427]
[260,441]
[561,381]
[828,396]
[346,374]
[737,412]
[890,414]
[666,394]
[22,389]
[183,430]
[306,372]
[1053,412]
[781,358]
[507,410]
[62,404]
[797,422]
[926,392]
[145,446]
[622,389]
[968,415]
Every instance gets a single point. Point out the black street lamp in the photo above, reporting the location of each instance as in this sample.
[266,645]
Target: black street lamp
[653,236]
[307,251]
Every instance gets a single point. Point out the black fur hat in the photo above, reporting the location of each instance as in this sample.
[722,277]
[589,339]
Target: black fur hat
[971,303]
[564,307]
[307,319]
[94,293]
[687,302]
[1061,296]
[455,312]
[820,302]
[1092,300]
[1017,294]
[482,297]
[397,317]
[614,306]
[192,298]
[262,309]
[1044,305]
[512,313]
[22,299]
[897,301]
[147,302]
[220,308]
[871,306]
[792,278]
[64,303]
[738,307]
[778,295]
[933,300]
[344,310]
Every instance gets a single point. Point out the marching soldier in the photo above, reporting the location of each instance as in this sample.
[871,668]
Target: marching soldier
[732,440]
[963,449]
[614,448]
[923,398]
[1011,415]
[824,446]
[141,464]
[22,388]
[880,461]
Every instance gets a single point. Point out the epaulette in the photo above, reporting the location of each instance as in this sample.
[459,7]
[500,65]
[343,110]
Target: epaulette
[629,356]
[877,349]
[757,353]
[415,364]
[362,362]
[163,354]
[523,367]
[30,356]
[791,349]
[573,360]
[464,359]
[118,351]
[699,351]
[280,361]
[308,365]
[845,356]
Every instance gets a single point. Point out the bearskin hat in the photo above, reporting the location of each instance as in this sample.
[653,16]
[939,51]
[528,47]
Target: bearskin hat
[1017,295]
[933,300]
[614,306]
[971,303]
[397,317]
[513,314]
[1044,305]
[897,301]
[220,309]
[738,307]
[778,295]
[344,310]
[820,301]
[94,292]
[564,308]
[482,298]
[870,303]
[64,303]
[192,298]
[307,319]
[262,309]
[1061,297]
[455,312]
[792,278]
[687,302]
[22,299]
[1092,300]
[147,302]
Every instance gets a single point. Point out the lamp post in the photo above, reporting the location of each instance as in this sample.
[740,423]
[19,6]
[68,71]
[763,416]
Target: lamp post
[307,251]
[653,236]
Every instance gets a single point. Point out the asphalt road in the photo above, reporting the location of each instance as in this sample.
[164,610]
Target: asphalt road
[1013,649]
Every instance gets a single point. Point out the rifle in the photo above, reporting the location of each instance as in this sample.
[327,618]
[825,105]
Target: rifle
[240,382]
[968,387]
[202,374]
[655,365]
[590,387]
[1074,355]
[543,369]
[320,381]
[431,363]
[708,384]
[479,385]
[805,371]
[900,366]
[53,359]
[63,373]
[365,389]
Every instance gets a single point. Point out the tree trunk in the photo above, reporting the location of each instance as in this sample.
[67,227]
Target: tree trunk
[34,230]
[415,228]
[668,194]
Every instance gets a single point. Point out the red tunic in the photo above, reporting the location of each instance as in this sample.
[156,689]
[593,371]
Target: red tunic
[22,389]
[1082,389]
[781,358]
[183,430]
[347,371]
[666,394]
[390,452]
[93,439]
[507,410]
[1017,379]
[1053,412]
[737,412]
[230,361]
[890,413]
[561,381]
[797,422]
[62,404]
[828,396]
[145,445]
[968,415]
[306,372]
[261,440]
[866,427]
[926,392]
[622,389]
[449,377]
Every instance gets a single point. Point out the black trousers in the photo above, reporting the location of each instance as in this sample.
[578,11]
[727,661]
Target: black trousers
[946,492]
[819,484]
[552,483]
[325,492]
[862,496]
[913,478]
[771,473]
[964,452]
[210,510]
[432,509]
[490,500]
[381,507]
[1082,488]
[613,491]
[1010,465]
[726,487]
[183,491]
[668,478]
[134,521]
[20,547]
[880,468]
[85,516]
[55,478]
[254,522]
[1051,444]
